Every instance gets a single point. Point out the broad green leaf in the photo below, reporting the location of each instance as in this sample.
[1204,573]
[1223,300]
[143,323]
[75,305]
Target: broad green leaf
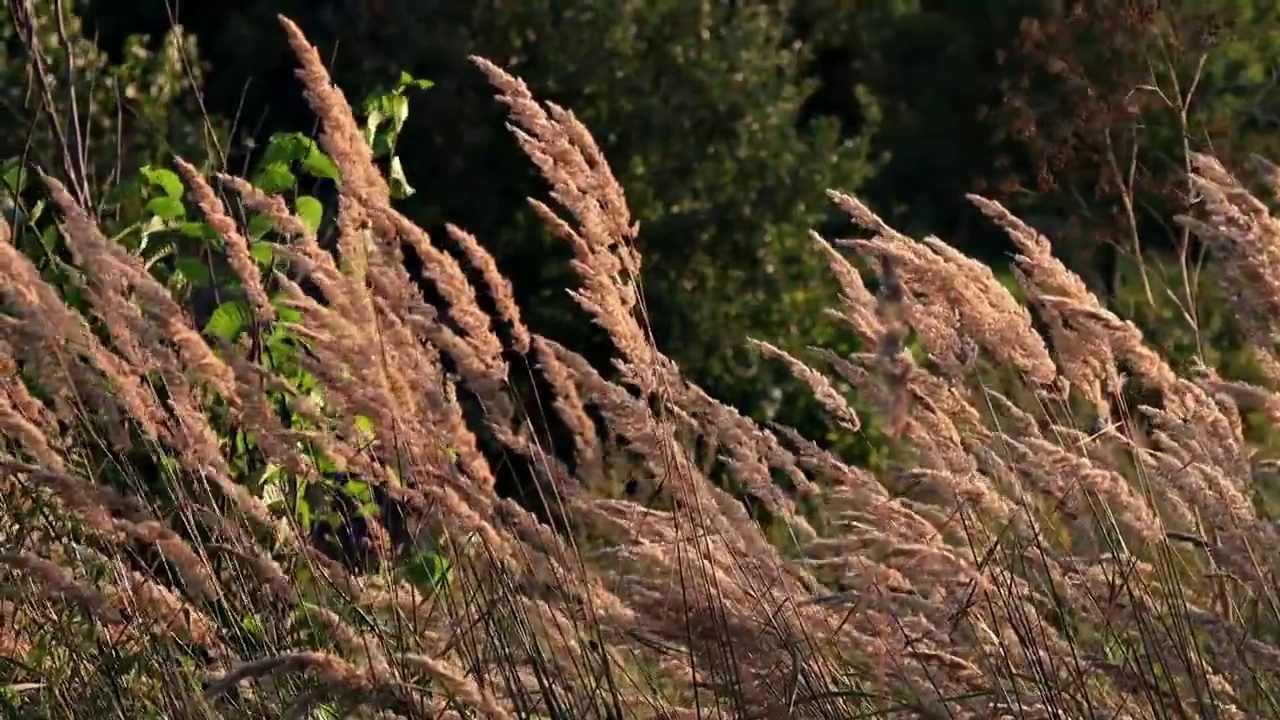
[408,82]
[382,145]
[399,113]
[310,211]
[358,490]
[49,239]
[166,208]
[320,165]
[263,252]
[11,211]
[16,176]
[275,178]
[197,230]
[167,180]
[285,312]
[194,270]
[323,463]
[229,320]
[365,426]
[285,149]
[260,225]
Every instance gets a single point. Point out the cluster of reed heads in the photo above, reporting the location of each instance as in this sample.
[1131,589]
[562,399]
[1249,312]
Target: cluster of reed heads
[1048,549]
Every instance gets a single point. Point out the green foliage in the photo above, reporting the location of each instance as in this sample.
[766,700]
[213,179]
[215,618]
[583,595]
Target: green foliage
[153,223]
[918,74]
[117,116]
[429,570]
[385,115]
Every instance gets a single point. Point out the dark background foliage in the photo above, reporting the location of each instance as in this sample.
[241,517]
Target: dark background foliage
[727,120]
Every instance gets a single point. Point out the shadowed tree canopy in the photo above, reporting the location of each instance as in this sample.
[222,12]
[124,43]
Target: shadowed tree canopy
[725,121]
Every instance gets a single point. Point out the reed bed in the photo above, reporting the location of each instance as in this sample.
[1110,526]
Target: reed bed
[1048,549]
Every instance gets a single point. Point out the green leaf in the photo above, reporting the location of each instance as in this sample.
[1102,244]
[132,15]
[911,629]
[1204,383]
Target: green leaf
[154,224]
[371,124]
[166,208]
[382,145]
[229,320]
[286,149]
[302,508]
[400,187]
[365,426]
[359,491]
[318,164]
[194,270]
[198,231]
[16,176]
[310,211]
[399,113]
[167,180]
[275,178]
[285,313]
[409,82]
[376,104]
[253,627]
[260,225]
[271,477]
[263,251]
[449,452]
[323,462]
[428,571]
[49,239]
[36,211]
